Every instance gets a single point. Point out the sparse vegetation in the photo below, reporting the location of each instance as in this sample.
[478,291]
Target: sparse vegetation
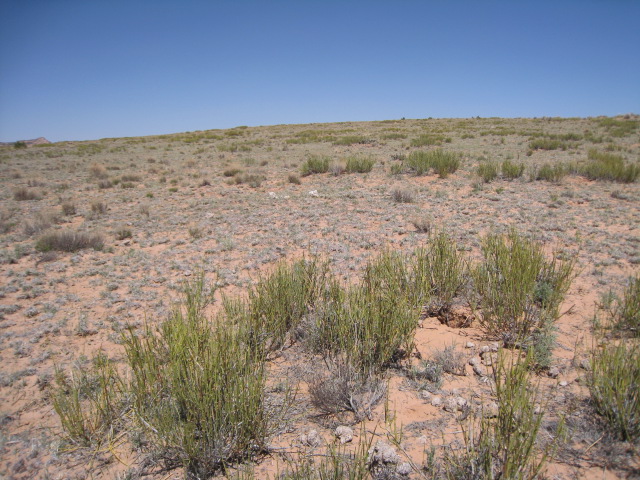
[488,171]
[607,166]
[359,164]
[315,164]
[69,241]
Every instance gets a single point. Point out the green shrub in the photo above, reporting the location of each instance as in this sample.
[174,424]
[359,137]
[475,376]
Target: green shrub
[315,164]
[359,164]
[351,140]
[624,312]
[504,447]
[488,171]
[613,385]
[547,144]
[428,139]
[90,402]
[512,170]
[279,301]
[197,389]
[231,172]
[518,290]
[438,275]
[550,173]
[371,324]
[69,241]
[444,163]
[19,145]
[607,166]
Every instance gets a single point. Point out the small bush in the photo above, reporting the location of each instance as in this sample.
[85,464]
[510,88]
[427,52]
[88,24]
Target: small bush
[359,164]
[429,139]
[22,194]
[402,195]
[315,164]
[98,208]
[607,166]
[295,179]
[443,163]
[511,170]
[351,140]
[624,312]
[279,301]
[368,325]
[69,241]
[231,172]
[518,290]
[41,221]
[451,360]
[547,144]
[488,171]
[439,274]
[104,184]
[613,385]
[550,173]
[123,233]
[19,145]
[505,447]
[422,224]
[68,208]
[197,389]
[98,171]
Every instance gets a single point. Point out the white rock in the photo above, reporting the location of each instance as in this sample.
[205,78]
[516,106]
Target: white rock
[425,395]
[553,372]
[474,361]
[344,434]
[404,469]
[469,345]
[311,438]
[485,349]
[563,383]
[382,452]
[436,401]
[273,195]
[450,405]
[313,193]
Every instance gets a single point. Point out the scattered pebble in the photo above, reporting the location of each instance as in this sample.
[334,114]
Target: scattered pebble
[344,434]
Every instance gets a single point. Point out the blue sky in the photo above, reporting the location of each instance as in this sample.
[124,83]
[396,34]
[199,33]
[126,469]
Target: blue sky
[76,70]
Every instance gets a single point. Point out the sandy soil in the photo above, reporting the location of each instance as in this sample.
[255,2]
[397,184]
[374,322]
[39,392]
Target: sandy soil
[183,214]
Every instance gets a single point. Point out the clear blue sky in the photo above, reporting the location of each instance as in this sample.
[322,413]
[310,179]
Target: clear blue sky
[74,70]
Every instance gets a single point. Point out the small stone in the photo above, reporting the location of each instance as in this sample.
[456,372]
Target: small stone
[563,383]
[426,395]
[479,370]
[382,452]
[585,364]
[344,434]
[469,345]
[436,401]
[553,372]
[537,409]
[494,347]
[404,469]
[311,438]
[485,349]
[187,273]
[450,405]
[126,243]
[474,361]
[461,402]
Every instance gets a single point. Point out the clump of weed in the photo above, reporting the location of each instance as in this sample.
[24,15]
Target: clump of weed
[422,224]
[23,194]
[442,162]
[511,170]
[451,360]
[123,232]
[607,166]
[359,164]
[231,172]
[547,144]
[315,164]
[197,388]
[505,446]
[613,385]
[98,208]
[402,195]
[69,241]
[518,290]
[623,312]
[439,274]
[68,208]
[550,173]
[351,140]
[488,171]
[40,222]
[98,171]
[295,179]
[426,139]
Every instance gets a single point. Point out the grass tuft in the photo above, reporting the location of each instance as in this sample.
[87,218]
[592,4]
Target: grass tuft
[69,241]
[315,164]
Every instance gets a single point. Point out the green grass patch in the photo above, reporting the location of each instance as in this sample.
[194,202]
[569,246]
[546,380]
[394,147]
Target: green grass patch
[608,166]
[359,164]
[315,164]
[69,241]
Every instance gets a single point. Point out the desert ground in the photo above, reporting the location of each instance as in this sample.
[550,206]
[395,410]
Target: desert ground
[234,204]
